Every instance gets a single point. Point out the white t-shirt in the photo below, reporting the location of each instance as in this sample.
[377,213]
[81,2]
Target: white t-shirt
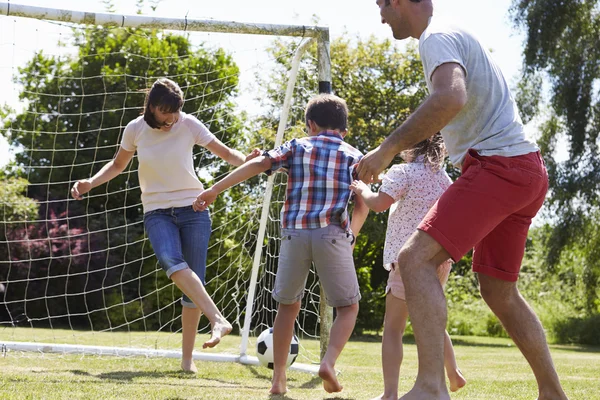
[415,187]
[490,121]
[166,169]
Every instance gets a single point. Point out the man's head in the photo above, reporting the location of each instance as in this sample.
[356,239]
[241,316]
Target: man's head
[326,111]
[407,18]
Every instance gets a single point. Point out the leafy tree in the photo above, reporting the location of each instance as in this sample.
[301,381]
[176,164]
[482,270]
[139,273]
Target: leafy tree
[562,46]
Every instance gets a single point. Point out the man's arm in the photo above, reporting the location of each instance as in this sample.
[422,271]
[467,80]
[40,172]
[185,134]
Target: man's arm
[240,174]
[447,99]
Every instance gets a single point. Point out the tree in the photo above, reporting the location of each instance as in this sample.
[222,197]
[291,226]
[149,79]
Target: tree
[562,46]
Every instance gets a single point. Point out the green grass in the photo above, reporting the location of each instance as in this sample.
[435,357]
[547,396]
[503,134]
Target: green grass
[493,367]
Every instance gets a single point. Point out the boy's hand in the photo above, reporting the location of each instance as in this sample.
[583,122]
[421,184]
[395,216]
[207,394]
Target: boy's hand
[358,187]
[255,153]
[204,199]
[80,188]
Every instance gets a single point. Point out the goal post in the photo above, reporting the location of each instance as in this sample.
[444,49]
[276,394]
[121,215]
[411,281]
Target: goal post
[312,34]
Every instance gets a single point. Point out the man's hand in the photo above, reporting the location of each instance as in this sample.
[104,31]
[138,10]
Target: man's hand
[373,164]
[204,199]
[255,153]
[80,188]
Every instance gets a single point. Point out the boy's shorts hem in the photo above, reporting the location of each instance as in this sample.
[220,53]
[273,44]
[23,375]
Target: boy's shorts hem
[495,273]
[344,302]
[175,268]
[187,304]
[439,237]
[283,300]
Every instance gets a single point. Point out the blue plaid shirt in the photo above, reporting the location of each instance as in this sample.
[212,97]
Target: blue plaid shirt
[320,170]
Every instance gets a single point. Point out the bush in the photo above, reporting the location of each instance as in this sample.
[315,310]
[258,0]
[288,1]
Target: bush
[581,330]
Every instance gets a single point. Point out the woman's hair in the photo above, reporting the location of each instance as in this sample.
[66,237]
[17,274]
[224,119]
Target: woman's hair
[328,111]
[165,95]
[432,150]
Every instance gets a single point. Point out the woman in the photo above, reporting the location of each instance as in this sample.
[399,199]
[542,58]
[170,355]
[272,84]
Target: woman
[163,138]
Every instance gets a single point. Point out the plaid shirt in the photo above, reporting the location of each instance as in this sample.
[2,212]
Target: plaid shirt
[320,170]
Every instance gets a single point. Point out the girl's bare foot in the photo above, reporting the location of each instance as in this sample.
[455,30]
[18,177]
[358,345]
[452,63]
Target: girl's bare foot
[189,366]
[279,384]
[330,382]
[219,329]
[457,380]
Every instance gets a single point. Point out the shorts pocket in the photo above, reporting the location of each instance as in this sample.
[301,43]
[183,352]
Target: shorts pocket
[347,236]
[288,234]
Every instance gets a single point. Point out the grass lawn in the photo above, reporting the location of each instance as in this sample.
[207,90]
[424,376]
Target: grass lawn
[494,369]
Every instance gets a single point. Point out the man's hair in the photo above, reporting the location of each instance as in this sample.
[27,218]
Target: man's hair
[387,2]
[328,111]
[165,95]
[432,149]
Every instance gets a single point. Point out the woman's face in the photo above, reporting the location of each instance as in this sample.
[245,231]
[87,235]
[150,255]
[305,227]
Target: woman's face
[165,120]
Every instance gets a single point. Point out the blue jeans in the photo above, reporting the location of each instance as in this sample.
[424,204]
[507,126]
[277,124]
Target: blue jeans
[179,237]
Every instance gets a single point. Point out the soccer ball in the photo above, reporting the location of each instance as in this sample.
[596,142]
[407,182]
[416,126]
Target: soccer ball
[264,349]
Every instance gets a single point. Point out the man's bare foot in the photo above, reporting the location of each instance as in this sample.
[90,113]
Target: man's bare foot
[219,329]
[383,396]
[189,366]
[457,380]
[330,382]
[420,394]
[279,384]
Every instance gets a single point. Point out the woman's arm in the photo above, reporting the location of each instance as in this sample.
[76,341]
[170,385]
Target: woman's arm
[377,202]
[108,172]
[232,156]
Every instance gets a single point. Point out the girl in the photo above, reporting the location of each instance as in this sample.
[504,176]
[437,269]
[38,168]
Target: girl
[409,191]
[163,138]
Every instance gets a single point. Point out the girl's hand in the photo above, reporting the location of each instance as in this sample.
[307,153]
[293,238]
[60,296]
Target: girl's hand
[358,187]
[80,188]
[204,199]
[255,153]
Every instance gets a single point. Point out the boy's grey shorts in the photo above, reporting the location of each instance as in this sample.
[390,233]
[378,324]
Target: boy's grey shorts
[330,248]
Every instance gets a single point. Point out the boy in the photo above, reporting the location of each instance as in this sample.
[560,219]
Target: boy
[315,228]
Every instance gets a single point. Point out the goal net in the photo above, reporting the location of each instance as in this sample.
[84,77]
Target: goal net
[81,275]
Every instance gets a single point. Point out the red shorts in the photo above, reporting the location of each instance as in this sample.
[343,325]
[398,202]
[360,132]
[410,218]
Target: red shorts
[489,208]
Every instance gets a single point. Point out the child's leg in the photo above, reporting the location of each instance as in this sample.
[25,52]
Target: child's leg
[341,329]
[283,329]
[190,318]
[192,286]
[454,375]
[396,315]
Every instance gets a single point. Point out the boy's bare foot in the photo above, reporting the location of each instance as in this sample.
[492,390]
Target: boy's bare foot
[457,380]
[383,396]
[189,366]
[330,382]
[219,329]
[279,384]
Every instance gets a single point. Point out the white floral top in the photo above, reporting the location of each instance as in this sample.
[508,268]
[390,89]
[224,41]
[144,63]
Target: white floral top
[415,187]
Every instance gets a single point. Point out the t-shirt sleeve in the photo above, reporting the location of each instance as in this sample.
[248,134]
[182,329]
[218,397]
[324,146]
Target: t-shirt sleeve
[280,157]
[438,49]
[395,182]
[128,140]
[202,135]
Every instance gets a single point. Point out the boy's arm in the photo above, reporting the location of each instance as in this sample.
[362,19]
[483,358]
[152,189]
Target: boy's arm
[240,174]
[377,202]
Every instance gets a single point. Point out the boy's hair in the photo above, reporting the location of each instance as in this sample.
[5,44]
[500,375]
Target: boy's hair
[165,95]
[328,111]
[432,149]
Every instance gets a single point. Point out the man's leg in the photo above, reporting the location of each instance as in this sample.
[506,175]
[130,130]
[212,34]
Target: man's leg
[283,330]
[341,329]
[525,329]
[418,261]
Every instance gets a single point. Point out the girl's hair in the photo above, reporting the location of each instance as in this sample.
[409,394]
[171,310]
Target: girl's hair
[165,95]
[432,149]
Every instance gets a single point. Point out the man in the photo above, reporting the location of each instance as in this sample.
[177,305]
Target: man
[489,208]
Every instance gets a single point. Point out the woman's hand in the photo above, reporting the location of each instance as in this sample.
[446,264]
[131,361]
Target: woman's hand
[80,188]
[204,199]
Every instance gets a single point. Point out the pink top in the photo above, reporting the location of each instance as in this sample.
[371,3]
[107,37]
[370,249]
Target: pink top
[415,187]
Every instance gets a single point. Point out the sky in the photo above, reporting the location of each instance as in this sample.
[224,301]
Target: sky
[488,19]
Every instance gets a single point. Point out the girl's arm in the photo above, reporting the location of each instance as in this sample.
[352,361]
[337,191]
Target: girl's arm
[377,202]
[359,215]
[232,156]
[108,172]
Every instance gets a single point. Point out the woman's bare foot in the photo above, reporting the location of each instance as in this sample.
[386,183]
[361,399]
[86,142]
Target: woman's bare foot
[189,366]
[330,382]
[219,329]
[457,380]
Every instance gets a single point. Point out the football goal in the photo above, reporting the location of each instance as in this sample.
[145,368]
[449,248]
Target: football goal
[81,276]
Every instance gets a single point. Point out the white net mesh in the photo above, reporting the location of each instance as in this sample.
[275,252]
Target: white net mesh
[84,272]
